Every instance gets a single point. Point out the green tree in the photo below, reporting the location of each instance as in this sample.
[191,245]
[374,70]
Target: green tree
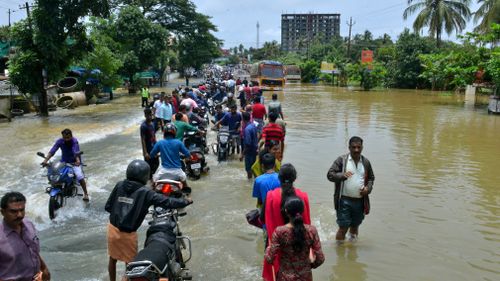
[5,33]
[310,71]
[404,67]
[439,15]
[196,43]
[199,47]
[487,14]
[290,58]
[55,37]
[102,58]
[140,41]
[493,68]
[177,16]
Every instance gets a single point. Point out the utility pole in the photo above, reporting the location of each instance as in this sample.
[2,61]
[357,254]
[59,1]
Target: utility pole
[44,108]
[258,34]
[9,16]
[27,8]
[350,24]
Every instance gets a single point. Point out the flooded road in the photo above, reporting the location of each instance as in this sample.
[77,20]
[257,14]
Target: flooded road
[435,205]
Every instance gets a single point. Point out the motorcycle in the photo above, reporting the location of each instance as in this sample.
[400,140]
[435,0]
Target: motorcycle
[163,255]
[63,184]
[211,106]
[197,145]
[221,148]
[203,113]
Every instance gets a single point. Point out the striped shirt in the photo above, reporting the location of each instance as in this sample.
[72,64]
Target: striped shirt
[273,131]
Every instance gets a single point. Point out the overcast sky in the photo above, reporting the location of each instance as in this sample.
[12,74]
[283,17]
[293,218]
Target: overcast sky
[237,19]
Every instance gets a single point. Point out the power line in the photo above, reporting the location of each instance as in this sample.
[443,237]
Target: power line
[381,10]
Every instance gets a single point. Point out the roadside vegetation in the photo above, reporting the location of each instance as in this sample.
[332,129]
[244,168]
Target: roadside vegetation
[118,37]
[410,61]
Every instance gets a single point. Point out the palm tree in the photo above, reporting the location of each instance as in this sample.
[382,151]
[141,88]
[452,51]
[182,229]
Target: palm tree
[488,13]
[438,15]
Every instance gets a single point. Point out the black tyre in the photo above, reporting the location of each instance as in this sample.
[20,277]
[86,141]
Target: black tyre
[55,202]
[221,156]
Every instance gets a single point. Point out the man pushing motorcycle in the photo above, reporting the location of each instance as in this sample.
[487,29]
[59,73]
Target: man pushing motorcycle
[71,154]
[128,205]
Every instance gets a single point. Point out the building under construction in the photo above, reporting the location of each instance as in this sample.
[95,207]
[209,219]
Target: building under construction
[299,30]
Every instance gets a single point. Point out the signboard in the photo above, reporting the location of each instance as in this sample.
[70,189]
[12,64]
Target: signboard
[329,68]
[367,56]
[367,59]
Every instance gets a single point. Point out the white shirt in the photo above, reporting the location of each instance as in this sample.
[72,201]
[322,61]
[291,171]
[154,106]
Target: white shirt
[156,106]
[355,183]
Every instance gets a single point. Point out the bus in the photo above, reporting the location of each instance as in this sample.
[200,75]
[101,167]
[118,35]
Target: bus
[270,75]
[292,73]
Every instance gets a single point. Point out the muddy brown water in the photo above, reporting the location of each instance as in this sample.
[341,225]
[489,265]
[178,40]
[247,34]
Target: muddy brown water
[435,205]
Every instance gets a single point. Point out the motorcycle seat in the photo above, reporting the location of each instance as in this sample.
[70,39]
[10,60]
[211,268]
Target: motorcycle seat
[195,149]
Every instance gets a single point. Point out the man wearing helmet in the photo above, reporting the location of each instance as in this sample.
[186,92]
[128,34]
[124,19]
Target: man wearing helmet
[169,149]
[127,205]
[229,100]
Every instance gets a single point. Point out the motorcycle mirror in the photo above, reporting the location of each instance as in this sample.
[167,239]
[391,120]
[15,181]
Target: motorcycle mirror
[40,154]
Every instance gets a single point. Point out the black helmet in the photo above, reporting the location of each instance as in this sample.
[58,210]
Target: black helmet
[138,170]
[170,129]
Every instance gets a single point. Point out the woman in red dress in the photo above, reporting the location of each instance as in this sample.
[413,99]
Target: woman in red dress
[298,244]
[274,211]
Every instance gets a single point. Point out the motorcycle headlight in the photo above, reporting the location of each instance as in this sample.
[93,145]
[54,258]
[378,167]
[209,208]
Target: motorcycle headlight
[223,138]
[54,178]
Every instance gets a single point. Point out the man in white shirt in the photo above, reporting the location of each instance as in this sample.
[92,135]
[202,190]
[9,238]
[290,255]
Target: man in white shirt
[158,121]
[353,177]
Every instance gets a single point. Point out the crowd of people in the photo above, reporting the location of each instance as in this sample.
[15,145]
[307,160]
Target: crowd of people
[293,247]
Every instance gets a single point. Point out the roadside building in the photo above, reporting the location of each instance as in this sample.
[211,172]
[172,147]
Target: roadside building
[299,30]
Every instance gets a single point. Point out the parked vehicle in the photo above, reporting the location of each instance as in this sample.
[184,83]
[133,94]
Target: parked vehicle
[163,256]
[63,184]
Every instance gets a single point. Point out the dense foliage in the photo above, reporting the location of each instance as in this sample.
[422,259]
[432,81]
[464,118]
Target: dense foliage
[121,38]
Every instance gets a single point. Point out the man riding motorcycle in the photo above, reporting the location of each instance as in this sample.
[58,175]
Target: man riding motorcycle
[169,149]
[70,150]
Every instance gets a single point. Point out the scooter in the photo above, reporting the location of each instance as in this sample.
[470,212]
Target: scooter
[162,257]
[221,148]
[63,184]
[196,144]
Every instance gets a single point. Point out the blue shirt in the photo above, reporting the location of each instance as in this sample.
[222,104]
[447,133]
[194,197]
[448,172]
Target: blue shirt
[68,150]
[250,136]
[263,184]
[166,111]
[170,150]
[231,120]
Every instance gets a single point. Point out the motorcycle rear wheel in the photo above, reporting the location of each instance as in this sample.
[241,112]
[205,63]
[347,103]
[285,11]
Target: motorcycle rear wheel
[55,202]
[221,156]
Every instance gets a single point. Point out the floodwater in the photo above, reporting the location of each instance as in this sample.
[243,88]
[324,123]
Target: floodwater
[435,205]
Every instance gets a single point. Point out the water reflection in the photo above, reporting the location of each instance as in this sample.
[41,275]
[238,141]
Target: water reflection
[436,188]
[347,267]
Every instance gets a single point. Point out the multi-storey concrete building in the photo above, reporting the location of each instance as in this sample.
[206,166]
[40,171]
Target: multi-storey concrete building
[298,30]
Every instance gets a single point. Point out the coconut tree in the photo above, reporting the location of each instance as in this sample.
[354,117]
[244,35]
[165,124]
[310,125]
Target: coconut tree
[439,15]
[488,13]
